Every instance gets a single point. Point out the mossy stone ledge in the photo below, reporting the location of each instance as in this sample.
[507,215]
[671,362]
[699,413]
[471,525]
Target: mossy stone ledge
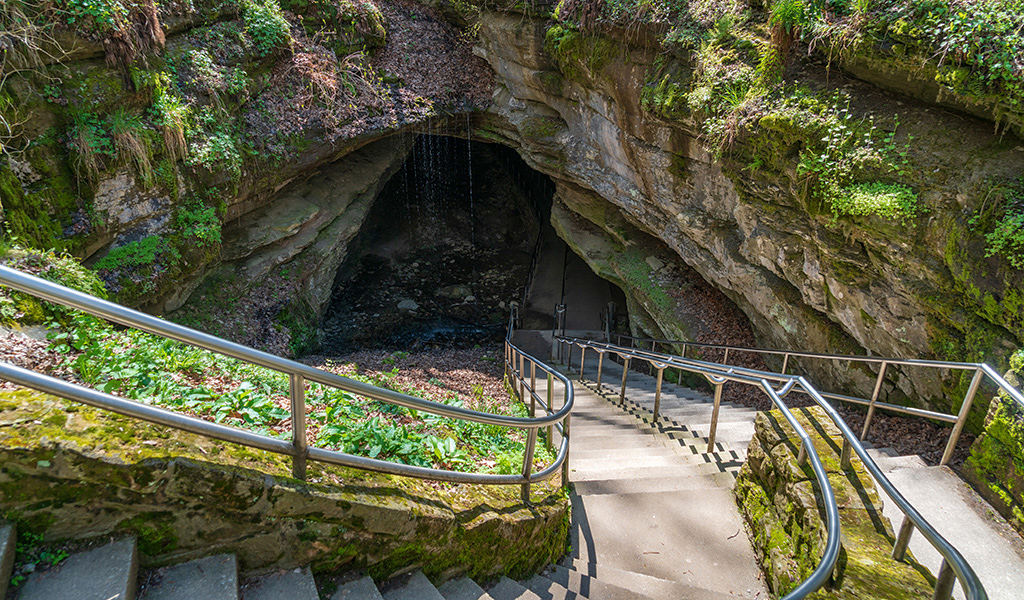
[780,502]
[73,471]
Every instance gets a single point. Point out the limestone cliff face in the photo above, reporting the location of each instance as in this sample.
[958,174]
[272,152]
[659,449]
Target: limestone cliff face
[806,279]
[605,114]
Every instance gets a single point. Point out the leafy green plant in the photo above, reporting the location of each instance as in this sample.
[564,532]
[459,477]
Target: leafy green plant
[137,253]
[199,223]
[890,201]
[1007,239]
[265,25]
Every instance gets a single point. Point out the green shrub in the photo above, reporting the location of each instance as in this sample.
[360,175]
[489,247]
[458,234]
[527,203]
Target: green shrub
[139,253]
[889,201]
[265,25]
[1008,239]
[200,224]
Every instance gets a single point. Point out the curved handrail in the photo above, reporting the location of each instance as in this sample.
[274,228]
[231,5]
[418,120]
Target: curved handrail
[717,373]
[298,372]
[958,420]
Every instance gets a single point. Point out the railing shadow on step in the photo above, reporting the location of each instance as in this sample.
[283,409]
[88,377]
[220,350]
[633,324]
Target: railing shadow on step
[954,566]
[298,374]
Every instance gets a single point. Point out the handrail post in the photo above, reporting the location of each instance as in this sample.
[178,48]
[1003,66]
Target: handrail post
[583,359]
[874,398]
[551,408]
[297,395]
[533,389]
[844,456]
[785,364]
[657,393]
[899,549]
[568,360]
[944,582]
[714,417]
[958,427]
[683,355]
[725,359]
[625,373]
[600,365]
[566,435]
[531,443]
[522,377]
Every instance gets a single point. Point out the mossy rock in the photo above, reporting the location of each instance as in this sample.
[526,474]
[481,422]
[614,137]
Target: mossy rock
[780,502]
[73,471]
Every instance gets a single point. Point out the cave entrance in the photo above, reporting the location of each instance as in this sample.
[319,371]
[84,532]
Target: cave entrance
[447,246]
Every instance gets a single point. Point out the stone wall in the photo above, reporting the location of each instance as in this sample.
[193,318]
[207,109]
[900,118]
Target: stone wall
[68,471]
[779,500]
[996,465]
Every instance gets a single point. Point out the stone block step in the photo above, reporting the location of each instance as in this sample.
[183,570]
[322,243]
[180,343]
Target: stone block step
[108,572]
[463,589]
[210,578]
[296,584]
[360,589]
[411,587]
[506,589]
[8,542]
[696,481]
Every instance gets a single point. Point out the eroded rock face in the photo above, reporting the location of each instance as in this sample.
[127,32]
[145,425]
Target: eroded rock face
[805,280]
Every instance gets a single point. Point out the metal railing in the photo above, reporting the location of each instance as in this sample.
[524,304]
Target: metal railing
[981,372]
[954,567]
[298,374]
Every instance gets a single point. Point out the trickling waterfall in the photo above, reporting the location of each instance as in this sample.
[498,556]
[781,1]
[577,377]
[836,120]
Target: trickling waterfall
[447,269]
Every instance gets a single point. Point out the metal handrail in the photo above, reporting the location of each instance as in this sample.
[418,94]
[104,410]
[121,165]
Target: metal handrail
[954,566]
[981,370]
[298,374]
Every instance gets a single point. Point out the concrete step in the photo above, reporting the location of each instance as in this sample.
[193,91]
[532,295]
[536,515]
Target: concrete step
[696,481]
[639,462]
[463,589]
[210,578]
[627,473]
[588,587]
[296,584]
[506,589]
[653,587]
[612,441]
[695,537]
[360,589]
[8,542]
[415,586]
[108,572]
[622,453]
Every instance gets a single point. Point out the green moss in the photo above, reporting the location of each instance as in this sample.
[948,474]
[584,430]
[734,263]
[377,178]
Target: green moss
[154,531]
[541,127]
[780,504]
[180,494]
[578,54]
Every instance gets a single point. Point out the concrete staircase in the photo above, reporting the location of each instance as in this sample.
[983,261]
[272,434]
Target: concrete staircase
[653,511]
